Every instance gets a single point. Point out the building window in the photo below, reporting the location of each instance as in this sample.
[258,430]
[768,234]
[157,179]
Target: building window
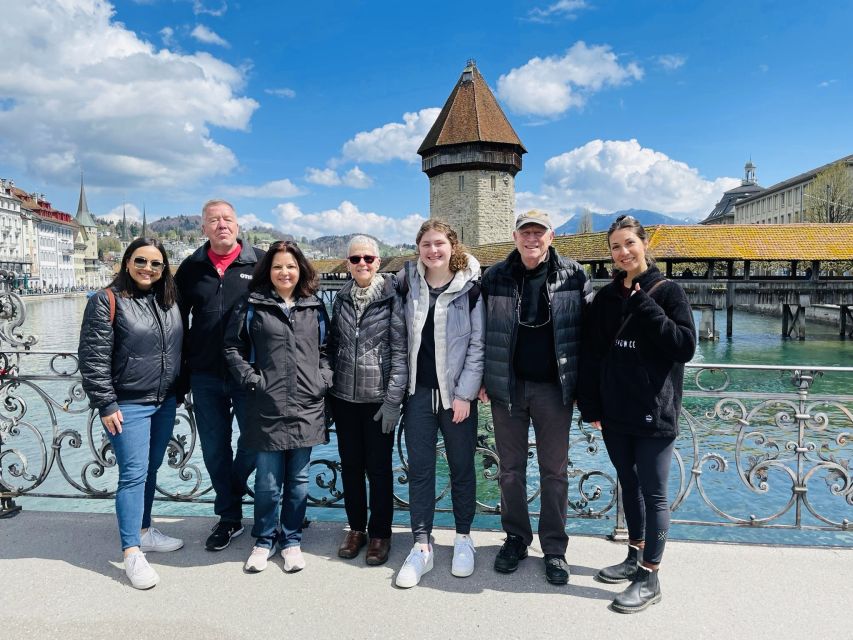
[461,183]
[494,182]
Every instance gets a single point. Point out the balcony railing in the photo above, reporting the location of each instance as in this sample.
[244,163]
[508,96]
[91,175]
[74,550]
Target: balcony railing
[760,446]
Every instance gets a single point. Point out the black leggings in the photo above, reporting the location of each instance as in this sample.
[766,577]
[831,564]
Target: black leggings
[642,465]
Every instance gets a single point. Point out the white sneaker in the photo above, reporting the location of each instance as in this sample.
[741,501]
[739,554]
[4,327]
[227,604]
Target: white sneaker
[293,559]
[257,561]
[155,540]
[139,572]
[463,556]
[416,565]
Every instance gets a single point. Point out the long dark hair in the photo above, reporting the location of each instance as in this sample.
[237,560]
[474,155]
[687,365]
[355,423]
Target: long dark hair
[458,258]
[632,224]
[308,282]
[164,289]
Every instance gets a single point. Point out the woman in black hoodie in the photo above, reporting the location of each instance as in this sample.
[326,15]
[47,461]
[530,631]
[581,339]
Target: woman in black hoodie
[639,334]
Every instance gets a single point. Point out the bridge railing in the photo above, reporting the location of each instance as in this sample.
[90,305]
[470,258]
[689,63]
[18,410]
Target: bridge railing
[760,446]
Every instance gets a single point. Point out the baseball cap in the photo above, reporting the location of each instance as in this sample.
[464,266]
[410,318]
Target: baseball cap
[534,217]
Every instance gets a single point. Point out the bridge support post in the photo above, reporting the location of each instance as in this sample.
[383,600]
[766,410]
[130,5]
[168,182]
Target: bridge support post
[794,321]
[846,315]
[707,327]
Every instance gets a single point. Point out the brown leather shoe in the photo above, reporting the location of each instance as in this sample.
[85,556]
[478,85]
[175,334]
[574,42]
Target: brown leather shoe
[353,542]
[377,551]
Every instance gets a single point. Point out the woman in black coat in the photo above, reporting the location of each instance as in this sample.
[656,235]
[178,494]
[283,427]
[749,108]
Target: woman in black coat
[639,334]
[130,358]
[275,346]
[367,350]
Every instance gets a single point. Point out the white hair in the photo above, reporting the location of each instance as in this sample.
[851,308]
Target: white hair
[363,240]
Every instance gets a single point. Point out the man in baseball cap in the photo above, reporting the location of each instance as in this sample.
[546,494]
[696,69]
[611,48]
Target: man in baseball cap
[534,300]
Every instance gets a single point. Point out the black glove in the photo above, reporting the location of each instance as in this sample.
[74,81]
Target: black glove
[389,415]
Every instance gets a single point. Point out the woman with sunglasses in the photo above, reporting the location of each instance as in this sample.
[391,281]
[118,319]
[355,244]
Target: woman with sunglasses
[367,351]
[275,346]
[130,358]
[444,323]
[638,335]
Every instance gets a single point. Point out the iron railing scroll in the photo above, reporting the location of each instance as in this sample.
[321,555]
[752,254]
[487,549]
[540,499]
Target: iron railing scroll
[760,445]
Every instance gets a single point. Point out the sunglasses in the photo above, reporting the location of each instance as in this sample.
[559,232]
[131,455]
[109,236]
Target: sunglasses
[357,259]
[140,263]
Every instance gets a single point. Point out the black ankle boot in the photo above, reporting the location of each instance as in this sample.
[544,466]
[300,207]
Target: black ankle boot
[643,591]
[625,570]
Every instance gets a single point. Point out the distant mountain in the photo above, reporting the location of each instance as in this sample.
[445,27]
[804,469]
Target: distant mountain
[602,221]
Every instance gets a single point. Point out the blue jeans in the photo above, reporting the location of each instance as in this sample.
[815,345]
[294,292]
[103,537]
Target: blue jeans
[139,450]
[276,468]
[213,397]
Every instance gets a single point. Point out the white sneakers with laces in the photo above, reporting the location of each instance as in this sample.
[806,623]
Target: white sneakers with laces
[257,561]
[293,559]
[139,572]
[416,565]
[156,540]
[463,556]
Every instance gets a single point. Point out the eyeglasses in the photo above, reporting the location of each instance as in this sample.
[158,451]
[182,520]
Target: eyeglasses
[518,310]
[140,263]
[357,259]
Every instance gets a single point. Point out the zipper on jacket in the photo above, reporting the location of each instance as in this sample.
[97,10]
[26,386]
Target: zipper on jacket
[153,306]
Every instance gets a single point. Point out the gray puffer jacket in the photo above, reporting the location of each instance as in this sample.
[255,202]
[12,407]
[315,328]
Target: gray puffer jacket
[569,292]
[369,357]
[458,331]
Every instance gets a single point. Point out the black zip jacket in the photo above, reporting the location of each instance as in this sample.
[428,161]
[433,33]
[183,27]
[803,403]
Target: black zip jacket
[370,359]
[568,290]
[633,382]
[210,301]
[136,358]
[288,381]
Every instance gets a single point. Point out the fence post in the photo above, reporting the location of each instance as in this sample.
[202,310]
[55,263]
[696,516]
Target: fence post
[620,531]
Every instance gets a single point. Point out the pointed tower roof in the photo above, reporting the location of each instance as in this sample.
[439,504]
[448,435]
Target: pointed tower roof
[84,218]
[471,114]
[124,222]
[144,223]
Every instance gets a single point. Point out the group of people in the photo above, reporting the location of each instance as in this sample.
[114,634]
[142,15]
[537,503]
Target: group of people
[245,331]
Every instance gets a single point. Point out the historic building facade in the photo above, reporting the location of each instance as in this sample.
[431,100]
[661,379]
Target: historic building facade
[472,155]
[724,212]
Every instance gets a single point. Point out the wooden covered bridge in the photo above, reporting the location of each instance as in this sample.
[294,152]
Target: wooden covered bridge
[789,267]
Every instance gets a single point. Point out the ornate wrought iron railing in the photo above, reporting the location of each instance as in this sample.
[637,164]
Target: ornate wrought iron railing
[760,446]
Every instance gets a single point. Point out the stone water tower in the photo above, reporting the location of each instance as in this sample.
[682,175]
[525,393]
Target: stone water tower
[471,155]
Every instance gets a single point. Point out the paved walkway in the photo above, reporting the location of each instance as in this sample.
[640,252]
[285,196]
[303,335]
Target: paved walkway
[61,577]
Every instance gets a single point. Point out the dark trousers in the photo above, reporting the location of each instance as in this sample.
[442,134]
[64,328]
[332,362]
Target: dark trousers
[642,465]
[423,422]
[541,403]
[364,449]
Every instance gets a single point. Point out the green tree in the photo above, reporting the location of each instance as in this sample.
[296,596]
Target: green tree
[829,197]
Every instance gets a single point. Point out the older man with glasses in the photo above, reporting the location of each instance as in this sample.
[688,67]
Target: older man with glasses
[210,283]
[534,301]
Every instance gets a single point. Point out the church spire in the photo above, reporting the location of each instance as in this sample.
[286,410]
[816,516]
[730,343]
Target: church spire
[84,218]
[144,233]
[124,221]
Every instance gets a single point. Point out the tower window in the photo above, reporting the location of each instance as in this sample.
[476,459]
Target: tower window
[494,182]
[462,183]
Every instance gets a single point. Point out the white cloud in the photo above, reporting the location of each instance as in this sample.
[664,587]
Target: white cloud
[250,220]
[347,218]
[392,141]
[826,83]
[88,92]
[115,214]
[566,9]
[551,86]
[200,7]
[282,92]
[283,188]
[207,36]
[167,35]
[608,175]
[355,178]
[671,61]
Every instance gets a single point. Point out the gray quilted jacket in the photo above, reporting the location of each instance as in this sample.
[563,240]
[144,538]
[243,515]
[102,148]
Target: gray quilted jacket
[369,359]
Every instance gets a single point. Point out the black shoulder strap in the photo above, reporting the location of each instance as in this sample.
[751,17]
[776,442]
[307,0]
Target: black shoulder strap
[473,294]
[631,315]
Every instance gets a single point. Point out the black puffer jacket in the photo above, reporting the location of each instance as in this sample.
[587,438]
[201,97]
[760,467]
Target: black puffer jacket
[369,359]
[137,358]
[210,300]
[633,383]
[569,292]
[291,375]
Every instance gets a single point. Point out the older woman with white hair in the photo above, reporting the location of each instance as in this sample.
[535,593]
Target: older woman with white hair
[367,350]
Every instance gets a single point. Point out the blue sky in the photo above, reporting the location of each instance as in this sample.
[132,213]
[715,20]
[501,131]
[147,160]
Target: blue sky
[308,115]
